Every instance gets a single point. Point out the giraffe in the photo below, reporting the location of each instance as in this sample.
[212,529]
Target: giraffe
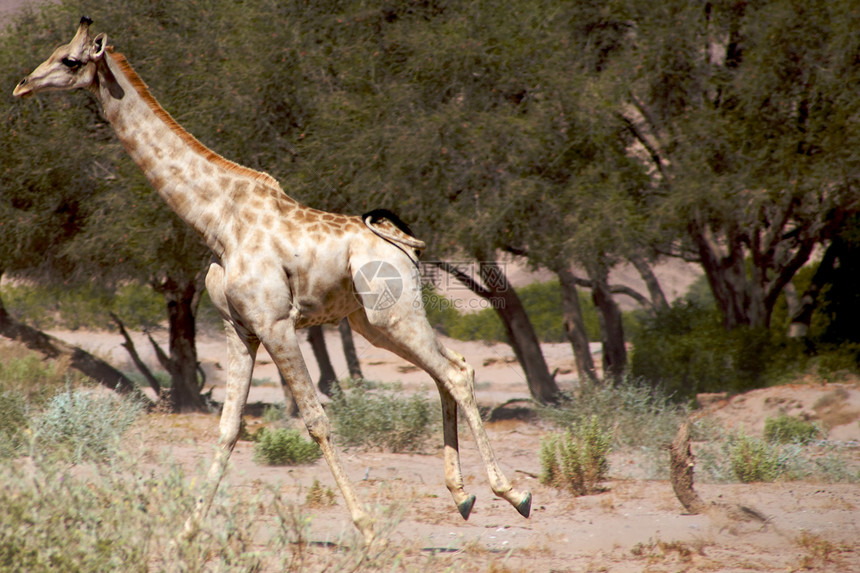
[279,266]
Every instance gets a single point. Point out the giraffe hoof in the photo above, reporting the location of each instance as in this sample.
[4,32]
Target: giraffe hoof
[466,507]
[525,506]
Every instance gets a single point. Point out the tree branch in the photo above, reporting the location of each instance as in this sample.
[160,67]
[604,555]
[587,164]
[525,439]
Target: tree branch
[463,278]
[615,289]
[640,137]
[135,357]
[163,359]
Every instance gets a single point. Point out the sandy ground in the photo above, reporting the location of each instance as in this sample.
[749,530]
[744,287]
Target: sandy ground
[635,525]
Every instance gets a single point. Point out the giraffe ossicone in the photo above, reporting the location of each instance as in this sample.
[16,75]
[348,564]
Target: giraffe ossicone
[279,266]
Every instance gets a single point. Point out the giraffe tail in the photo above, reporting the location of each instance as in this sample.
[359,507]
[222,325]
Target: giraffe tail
[390,227]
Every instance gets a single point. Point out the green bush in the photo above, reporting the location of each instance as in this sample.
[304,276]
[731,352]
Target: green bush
[754,460]
[576,460]
[125,516]
[727,457]
[687,350]
[785,429]
[381,419]
[284,447]
[83,424]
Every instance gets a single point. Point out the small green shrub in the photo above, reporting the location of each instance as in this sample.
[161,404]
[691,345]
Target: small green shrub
[125,515]
[576,460]
[274,414]
[725,457]
[381,419]
[785,429]
[284,447]
[82,424]
[754,460]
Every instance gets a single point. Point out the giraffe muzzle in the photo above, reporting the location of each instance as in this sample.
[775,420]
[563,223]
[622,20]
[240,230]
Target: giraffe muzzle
[23,88]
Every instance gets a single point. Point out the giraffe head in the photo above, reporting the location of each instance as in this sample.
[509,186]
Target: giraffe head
[71,66]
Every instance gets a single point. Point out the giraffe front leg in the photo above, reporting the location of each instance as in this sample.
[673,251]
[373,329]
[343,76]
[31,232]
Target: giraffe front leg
[241,353]
[453,476]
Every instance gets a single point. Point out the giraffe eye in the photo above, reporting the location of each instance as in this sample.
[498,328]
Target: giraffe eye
[72,64]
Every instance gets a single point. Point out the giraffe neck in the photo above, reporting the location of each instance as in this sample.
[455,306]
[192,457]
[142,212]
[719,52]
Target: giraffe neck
[197,183]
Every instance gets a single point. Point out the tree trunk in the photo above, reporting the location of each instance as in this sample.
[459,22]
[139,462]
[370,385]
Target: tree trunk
[614,351]
[726,277]
[748,271]
[181,364]
[316,338]
[574,325]
[524,341]
[658,298]
[521,334]
[80,360]
[349,350]
[801,316]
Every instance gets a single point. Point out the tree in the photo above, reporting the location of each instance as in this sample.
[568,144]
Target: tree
[745,111]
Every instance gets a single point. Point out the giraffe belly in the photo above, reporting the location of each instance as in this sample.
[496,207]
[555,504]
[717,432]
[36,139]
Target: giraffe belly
[326,306]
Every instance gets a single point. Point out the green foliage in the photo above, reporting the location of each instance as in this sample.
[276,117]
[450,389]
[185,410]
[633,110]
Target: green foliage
[284,447]
[83,424]
[786,429]
[687,350]
[381,419]
[542,302]
[27,382]
[85,306]
[754,460]
[724,456]
[274,414]
[576,460]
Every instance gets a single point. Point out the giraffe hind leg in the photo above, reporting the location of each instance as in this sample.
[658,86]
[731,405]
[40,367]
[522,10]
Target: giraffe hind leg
[412,338]
[281,341]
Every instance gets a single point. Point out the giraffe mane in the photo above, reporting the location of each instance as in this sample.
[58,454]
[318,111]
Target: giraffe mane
[143,91]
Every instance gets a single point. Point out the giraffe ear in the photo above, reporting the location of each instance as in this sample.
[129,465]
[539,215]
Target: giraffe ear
[99,46]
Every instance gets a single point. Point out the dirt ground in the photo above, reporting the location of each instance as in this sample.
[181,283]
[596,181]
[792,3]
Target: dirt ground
[635,525]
